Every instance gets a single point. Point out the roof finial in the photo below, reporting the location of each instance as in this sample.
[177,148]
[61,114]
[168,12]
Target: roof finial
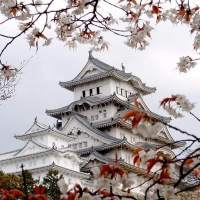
[123,68]
[90,53]
[35,119]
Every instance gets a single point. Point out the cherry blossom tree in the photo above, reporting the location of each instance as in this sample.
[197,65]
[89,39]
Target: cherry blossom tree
[87,22]
[75,22]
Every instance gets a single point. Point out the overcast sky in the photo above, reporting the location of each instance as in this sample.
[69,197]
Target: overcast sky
[38,89]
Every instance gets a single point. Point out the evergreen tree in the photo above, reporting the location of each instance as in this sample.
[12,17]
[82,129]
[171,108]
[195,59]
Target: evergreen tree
[1,173]
[52,189]
[30,182]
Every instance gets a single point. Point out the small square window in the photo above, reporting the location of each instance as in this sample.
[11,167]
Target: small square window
[91,93]
[118,90]
[43,161]
[98,91]
[34,163]
[123,93]
[85,144]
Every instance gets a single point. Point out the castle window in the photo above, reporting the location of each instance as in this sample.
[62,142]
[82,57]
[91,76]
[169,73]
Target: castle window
[85,144]
[80,145]
[75,146]
[34,163]
[118,90]
[104,114]
[100,111]
[96,117]
[123,93]
[92,118]
[91,94]
[30,164]
[83,93]
[43,161]
[128,159]
[70,146]
[132,139]
[98,91]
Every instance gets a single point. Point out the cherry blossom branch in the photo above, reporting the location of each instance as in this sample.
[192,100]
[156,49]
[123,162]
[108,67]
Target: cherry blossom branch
[195,116]
[181,131]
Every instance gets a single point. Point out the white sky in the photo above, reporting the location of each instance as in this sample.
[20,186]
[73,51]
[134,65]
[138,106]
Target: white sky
[39,90]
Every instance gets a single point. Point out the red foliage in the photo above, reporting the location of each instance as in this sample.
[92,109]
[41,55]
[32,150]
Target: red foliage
[39,194]
[10,194]
[167,100]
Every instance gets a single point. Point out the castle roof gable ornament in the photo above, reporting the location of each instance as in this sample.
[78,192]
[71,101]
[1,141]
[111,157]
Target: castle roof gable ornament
[123,68]
[90,54]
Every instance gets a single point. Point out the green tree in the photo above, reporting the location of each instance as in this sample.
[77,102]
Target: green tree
[2,173]
[11,181]
[50,183]
[30,182]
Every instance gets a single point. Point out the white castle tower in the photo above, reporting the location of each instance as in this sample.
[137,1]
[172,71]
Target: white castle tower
[90,130]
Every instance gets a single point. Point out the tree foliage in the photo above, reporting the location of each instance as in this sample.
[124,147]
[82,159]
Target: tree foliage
[11,181]
[52,189]
[30,182]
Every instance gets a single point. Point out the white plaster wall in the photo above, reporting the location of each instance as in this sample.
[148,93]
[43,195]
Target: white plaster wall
[110,111]
[29,162]
[121,132]
[58,141]
[123,85]
[99,83]
[65,119]
[108,87]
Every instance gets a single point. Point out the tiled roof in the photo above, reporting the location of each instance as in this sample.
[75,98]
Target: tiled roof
[94,100]
[107,72]
[106,146]
[86,123]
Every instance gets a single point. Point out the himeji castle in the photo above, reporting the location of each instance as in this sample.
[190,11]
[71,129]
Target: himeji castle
[91,130]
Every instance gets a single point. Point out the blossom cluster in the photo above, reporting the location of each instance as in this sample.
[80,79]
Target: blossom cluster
[148,130]
[180,103]
[85,22]
[8,81]
[110,180]
[143,124]
[185,64]
[162,165]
